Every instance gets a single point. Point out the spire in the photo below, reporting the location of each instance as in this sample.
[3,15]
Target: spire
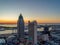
[20,16]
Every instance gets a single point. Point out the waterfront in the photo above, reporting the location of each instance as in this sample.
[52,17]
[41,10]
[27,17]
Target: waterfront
[15,30]
[55,34]
[15,25]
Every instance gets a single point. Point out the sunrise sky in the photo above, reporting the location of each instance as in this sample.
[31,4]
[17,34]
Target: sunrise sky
[44,11]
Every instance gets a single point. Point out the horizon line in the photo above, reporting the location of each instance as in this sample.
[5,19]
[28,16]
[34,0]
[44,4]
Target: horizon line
[27,23]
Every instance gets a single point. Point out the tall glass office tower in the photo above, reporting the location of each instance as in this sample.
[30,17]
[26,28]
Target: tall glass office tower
[20,27]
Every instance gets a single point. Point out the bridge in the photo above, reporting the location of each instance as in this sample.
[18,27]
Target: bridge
[2,28]
[54,27]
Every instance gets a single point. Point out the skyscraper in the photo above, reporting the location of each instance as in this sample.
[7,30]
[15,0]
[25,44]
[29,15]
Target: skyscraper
[32,28]
[20,28]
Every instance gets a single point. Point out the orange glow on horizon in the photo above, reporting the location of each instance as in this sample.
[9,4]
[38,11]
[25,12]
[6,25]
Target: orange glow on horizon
[26,21]
[8,21]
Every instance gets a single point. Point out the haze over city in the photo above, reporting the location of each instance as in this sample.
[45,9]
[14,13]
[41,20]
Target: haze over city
[29,22]
[44,11]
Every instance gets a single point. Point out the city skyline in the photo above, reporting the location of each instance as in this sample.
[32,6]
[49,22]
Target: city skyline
[44,11]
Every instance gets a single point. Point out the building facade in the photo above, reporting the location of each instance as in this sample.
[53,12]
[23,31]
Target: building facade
[20,28]
[32,28]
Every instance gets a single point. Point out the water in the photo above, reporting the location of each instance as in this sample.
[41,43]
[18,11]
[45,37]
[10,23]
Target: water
[15,31]
[55,34]
[8,31]
[12,31]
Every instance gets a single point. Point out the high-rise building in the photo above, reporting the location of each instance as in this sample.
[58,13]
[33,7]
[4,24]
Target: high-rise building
[20,28]
[32,28]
